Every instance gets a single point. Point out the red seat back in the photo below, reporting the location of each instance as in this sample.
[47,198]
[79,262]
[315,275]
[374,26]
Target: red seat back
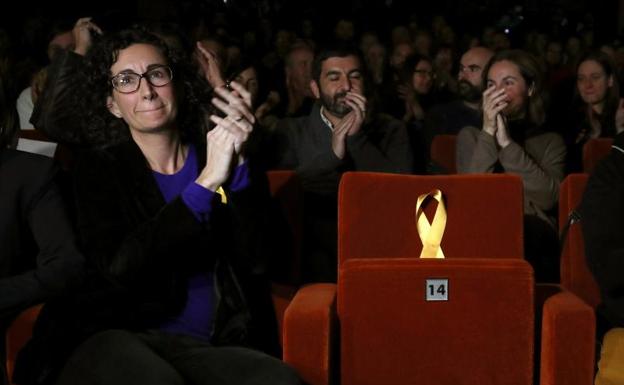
[18,334]
[376,215]
[390,334]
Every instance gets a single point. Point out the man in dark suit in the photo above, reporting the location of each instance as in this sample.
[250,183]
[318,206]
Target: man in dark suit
[39,258]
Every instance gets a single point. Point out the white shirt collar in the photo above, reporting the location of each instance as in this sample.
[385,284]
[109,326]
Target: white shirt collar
[325,120]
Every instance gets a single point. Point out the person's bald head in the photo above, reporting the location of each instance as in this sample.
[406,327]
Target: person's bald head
[470,77]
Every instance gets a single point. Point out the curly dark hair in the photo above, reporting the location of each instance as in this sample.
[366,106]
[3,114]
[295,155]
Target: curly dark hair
[101,127]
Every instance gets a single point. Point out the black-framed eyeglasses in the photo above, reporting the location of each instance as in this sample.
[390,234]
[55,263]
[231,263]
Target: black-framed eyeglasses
[129,82]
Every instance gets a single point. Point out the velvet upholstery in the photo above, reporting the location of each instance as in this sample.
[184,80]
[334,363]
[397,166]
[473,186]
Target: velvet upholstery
[310,330]
[575,275]
[420,342]
[567,340]
[594,150]
[485,214]
[485,334]
[18,334]
[443,152]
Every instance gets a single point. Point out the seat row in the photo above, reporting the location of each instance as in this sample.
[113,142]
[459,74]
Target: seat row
[475,316]
[380,323]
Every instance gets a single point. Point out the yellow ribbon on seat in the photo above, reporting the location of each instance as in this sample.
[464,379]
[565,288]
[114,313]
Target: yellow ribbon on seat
[221,192]
[431,233]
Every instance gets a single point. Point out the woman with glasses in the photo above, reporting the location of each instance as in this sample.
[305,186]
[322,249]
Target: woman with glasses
[417,93]
[513,140]
[169,218]
[417,90]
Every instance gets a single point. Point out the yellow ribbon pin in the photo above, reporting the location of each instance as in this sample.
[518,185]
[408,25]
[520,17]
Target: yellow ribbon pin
[221,192]
[431,234]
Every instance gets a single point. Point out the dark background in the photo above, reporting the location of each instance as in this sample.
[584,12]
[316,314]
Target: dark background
[461,14]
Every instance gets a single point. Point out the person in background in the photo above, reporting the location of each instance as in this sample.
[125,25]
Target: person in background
[61,38]
[339,135]
[54,110]
[513,140]
[602,219]
[449,118]
[39,254]
[599,112]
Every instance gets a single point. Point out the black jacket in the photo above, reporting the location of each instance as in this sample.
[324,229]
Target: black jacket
[602,211]
[39,257]
[38,253]
[142,251]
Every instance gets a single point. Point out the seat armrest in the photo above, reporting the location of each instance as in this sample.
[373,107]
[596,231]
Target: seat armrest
[18,333]
[310,332]
[567,340]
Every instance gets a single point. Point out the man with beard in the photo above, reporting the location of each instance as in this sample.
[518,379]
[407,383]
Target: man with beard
[340,134]
[451,117]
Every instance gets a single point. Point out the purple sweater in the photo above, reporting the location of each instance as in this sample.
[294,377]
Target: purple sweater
[197,317]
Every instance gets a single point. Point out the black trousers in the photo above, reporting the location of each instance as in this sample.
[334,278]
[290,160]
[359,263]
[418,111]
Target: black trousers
[119,357]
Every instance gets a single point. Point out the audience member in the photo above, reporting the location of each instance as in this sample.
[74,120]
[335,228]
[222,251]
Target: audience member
[298,67]
[60,39]
[377,63]
[338,135]
[417,91]
[599,111]
[446,83]
[512,140]
[54,111]
[39,257]
[418,96]
[169,217]
[451,117]
[396,78]
[602,211]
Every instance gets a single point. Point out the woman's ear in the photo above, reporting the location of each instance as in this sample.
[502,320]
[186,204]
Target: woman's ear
[112,106]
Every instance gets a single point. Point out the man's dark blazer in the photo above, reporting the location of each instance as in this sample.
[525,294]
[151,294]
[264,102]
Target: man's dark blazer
[38,253]
[39,258]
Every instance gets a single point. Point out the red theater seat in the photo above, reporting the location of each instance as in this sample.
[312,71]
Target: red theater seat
[375,326]
[18,334]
